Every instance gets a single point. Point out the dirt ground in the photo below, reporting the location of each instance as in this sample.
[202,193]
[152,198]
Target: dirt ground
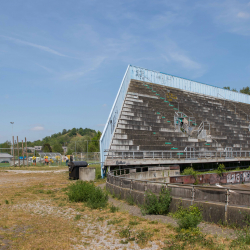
[35,213]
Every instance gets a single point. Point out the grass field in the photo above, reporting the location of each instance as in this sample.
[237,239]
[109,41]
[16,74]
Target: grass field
[36,213]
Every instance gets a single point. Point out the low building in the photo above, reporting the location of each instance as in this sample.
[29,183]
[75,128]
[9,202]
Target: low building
[5,157]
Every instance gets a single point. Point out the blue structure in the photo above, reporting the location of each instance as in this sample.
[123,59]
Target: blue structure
[146,75]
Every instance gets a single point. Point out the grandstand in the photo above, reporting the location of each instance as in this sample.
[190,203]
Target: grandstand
[160,119]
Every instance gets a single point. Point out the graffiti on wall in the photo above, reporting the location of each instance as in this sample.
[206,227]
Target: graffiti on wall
[238,177]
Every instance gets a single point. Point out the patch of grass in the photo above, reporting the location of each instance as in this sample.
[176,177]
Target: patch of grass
[134,222]
[153,222]
[77,217]
[157,205]
[114,209]
[6,202]
[141,237]
[189,217]
[87,192]
[115,221]
[130,200]
[191,238]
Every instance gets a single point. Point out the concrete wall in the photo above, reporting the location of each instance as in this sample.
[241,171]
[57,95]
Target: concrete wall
[87,174]
[226,178]
[212,212]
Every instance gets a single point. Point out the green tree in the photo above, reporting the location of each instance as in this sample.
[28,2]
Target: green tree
[94,145]
[228,88]
[245,90]
[58,148]
[69,152]
[64,131]
[47,148]
[72,132]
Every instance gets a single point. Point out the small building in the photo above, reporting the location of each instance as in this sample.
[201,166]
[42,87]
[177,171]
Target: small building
[5,157]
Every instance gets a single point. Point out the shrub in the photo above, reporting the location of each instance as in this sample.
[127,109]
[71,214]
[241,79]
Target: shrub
[221,169]
[114,209]
[157,205]
[191,171]
[82,191]
[189,217]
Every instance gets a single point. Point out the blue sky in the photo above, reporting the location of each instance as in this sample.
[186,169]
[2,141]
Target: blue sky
[61,62]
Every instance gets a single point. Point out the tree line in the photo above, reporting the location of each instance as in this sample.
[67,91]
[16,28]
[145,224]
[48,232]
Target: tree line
[245,90]
[76,139]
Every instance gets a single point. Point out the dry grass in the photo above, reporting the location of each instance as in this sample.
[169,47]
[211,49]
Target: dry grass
[36,214]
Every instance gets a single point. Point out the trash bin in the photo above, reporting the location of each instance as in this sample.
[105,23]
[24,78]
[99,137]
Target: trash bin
[74,168]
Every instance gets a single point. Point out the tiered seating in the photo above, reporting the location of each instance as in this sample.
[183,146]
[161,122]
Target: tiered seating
[146,121]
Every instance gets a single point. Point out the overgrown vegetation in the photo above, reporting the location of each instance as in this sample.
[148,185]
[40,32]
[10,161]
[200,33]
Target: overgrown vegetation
[221,169]
[157,205]
[141,237]
[191,171]
[188,217]
[94,197]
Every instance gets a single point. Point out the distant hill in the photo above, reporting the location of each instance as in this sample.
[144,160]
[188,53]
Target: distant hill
[75,138]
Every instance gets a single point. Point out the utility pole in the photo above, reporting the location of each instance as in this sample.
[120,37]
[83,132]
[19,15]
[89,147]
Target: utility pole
[22,153]
[12,136]
[26,152]
[13,151]
[18,152]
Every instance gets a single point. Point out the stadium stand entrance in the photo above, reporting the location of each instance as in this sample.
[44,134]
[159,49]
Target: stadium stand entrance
[160,119]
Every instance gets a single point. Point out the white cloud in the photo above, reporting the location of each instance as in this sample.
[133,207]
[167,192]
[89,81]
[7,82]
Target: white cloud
[37,128]
[104,105]
[243,15]
[75,74]
[44,48]
[184,60]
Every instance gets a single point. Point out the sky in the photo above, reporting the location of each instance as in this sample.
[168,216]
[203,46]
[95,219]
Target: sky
[62,62]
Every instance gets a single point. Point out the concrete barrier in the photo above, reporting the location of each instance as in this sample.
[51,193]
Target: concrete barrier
[87,174]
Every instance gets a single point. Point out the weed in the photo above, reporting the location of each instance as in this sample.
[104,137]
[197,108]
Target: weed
[142,237]
[114,209]
[157,205]
[221,169]
[130,200]
[49,192]
[191,171]
[133,222]
[6,202]
[86,192]
[188,218]
[243,238]
[115,221]
[190,237]
[153,222]
[100,218]
[78,217]
[125,233]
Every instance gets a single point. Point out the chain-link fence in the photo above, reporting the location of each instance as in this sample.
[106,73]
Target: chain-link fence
[90,157]
[19,158]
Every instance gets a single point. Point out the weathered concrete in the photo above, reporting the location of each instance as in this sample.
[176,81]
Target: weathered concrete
[212,212]
[137,162]
[87,174]
[234,177]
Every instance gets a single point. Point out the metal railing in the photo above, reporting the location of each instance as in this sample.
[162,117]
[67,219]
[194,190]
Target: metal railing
[174,154]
